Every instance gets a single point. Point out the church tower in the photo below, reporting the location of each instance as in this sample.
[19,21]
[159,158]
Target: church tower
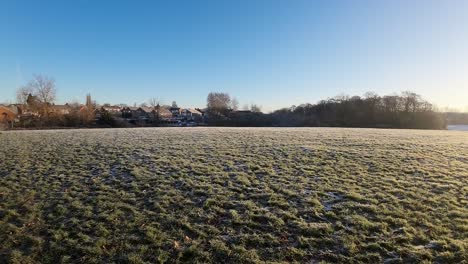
[89,103]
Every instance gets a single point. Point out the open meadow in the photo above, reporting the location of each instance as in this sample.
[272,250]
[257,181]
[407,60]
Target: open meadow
[233,195]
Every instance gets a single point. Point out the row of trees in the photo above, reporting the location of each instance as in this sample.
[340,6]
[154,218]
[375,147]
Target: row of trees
[454,118]
[222,110]
[407,110]
[36,101]
[37,106]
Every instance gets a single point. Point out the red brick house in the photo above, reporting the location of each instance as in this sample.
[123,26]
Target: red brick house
[8,114]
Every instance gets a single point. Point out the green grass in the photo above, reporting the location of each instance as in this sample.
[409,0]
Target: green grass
[228,195]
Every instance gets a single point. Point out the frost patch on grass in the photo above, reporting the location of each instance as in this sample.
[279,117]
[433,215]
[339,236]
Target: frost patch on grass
[117,172]
[334,199]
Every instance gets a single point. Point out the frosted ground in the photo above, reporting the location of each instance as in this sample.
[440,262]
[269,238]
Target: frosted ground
[458,127]
[233,195]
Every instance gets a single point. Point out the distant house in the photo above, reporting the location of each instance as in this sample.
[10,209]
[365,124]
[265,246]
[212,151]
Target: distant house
[8,114]
[131,112]
[32,100]
[147,110]
[83,109]
[143,113]
[202,111]
[164,113]
[113,109]
[60,109]
[137,113]
[126,112]
[31,108]
[176,111]
[191,114]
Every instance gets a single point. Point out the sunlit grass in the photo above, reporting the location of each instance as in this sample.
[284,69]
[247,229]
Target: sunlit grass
[233,195]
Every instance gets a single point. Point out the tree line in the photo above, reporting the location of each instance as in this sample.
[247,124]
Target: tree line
[407,110]
[455,118]
[37,103]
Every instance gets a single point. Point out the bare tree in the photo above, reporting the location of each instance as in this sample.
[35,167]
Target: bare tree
[154,103]
[43,88]
[74,105]
[255,108]
[218,103]
[22,94]
[411,101]
[234,104]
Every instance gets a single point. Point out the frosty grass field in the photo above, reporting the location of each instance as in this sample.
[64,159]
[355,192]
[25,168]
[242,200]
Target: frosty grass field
[233,195]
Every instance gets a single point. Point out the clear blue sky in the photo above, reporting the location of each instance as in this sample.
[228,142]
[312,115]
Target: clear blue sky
[273,53]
